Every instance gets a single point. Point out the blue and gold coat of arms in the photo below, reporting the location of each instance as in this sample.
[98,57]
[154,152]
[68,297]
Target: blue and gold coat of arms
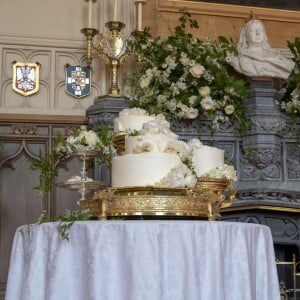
[78,81]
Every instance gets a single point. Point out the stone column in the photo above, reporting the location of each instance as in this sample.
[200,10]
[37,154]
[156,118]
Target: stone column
[103,111]
[262,172]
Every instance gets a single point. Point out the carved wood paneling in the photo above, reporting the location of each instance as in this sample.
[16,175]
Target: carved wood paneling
[20,204]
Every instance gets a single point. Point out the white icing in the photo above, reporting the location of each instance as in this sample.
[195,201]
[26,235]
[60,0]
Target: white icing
[206,158]
[144,169]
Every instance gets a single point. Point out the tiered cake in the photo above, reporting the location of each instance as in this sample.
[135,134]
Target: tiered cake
[153,154]
[156,174]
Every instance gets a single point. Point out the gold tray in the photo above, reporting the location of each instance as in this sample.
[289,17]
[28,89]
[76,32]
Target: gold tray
[204,201]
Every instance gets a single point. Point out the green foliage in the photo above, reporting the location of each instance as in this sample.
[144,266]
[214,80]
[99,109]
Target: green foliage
[184,77]
[67,220]
[290,102]
[98,140]
[47,164]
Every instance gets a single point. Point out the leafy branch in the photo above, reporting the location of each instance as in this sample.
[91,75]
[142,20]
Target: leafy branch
[47,163]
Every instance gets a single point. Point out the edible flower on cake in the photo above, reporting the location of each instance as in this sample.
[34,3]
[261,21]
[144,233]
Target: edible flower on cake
[181,148]
[154,136]
[181,176]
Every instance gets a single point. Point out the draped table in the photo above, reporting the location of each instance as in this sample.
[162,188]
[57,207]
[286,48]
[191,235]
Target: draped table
[144,260]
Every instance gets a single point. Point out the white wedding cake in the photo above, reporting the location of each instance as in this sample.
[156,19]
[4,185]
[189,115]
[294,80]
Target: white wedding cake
[153,157]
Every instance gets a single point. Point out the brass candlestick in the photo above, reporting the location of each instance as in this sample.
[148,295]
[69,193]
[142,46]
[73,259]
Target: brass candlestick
[112,48]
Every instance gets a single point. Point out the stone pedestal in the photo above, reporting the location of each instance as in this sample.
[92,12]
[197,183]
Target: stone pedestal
[105,109]
[265,154]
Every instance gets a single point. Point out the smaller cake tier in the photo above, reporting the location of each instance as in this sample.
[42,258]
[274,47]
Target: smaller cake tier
[206,158]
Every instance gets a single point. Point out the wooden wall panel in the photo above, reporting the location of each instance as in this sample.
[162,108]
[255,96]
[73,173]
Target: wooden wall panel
[20,204]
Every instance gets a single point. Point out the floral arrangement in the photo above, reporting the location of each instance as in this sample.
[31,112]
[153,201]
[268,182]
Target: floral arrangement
[185,77]
[223,171]
[180,176]
[290,102]
[82,139]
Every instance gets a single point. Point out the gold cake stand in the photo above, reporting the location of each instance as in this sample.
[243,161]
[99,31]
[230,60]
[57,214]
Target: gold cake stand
[204,201]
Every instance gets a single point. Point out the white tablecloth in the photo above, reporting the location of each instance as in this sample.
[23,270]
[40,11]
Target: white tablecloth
[144,260]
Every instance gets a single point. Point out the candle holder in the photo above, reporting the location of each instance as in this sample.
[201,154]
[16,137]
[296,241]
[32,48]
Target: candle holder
[83,184]
[111,47]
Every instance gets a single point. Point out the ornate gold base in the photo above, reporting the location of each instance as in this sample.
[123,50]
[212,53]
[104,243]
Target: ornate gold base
[204,201]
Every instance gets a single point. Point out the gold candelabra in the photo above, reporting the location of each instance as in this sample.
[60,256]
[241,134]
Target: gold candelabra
[111,47]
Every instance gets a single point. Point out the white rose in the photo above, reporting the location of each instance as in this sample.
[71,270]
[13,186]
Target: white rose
[229,109]
[144,82]
[197,70]
[207,103]
[204,91]
[192,113]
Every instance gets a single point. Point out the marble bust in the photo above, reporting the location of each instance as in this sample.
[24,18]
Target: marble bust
[256,58]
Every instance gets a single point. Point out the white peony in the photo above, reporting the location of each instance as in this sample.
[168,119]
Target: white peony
[179,177]
[181,148]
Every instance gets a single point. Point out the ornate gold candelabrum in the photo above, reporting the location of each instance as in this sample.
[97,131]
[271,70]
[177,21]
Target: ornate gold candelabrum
[112,48]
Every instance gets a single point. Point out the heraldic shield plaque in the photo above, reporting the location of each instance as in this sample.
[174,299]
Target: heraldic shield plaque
[78,81]
[26,78]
